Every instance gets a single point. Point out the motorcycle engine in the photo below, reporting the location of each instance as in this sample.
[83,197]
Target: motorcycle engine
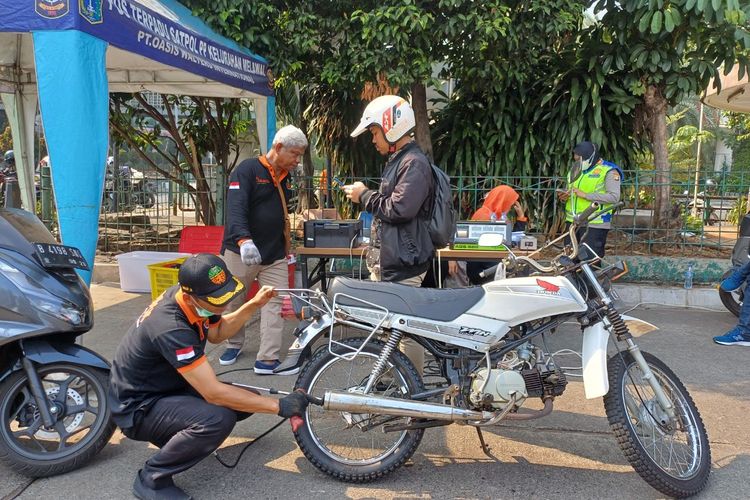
[501,384]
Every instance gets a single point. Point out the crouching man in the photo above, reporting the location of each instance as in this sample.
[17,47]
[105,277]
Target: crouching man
[163,391]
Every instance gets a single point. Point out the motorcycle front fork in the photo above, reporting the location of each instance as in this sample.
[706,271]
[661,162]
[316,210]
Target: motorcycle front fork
[649,376]
[37,390]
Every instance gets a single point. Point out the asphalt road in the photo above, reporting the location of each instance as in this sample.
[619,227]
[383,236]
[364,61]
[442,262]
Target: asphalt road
[569,454]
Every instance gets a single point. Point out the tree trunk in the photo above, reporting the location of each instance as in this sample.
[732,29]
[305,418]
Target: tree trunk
[305,185]
[422,132]
[656,106]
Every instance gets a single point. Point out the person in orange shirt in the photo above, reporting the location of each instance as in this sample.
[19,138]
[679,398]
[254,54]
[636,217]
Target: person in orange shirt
[500,200]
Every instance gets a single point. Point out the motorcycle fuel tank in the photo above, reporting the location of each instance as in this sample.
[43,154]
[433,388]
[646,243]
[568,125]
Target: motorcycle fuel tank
[517,300]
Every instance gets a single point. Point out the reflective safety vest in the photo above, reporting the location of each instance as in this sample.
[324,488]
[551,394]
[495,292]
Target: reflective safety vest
[590,181]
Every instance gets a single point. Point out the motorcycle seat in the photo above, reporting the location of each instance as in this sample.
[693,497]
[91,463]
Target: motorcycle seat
[439,304]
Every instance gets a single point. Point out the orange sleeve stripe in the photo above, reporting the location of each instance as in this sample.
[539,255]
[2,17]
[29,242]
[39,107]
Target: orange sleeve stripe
[194,364]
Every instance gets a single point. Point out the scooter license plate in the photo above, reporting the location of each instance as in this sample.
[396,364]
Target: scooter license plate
[52,255]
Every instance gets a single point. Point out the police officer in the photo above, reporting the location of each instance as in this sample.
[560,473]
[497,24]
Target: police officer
[163,391]
[591,179]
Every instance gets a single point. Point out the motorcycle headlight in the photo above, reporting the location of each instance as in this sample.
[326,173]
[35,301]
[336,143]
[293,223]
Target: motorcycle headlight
[59,308]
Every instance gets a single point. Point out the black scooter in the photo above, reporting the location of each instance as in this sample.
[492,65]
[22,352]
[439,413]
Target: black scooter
[54,415]
[733,300]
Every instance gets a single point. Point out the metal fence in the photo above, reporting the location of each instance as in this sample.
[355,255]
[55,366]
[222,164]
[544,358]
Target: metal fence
[144,211]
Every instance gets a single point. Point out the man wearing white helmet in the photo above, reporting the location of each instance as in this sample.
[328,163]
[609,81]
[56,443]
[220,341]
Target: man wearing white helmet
[400,245]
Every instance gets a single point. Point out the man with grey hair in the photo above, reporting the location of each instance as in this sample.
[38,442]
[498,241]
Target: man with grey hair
[257,238]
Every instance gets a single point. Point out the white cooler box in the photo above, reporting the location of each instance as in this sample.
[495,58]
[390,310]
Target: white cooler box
[134,276]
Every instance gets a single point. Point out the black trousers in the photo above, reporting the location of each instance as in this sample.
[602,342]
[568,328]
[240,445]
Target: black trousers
[594,237]
[186,429]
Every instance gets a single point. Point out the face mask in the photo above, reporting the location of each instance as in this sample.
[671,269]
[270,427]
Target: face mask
[203,313]
[585,164]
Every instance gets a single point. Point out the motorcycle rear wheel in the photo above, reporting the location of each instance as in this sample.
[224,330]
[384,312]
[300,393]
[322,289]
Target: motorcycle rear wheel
[83,428]
[732,300]
[676,461]
[337,442]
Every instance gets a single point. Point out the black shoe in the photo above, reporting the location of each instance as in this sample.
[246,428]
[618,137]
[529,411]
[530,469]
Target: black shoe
[145,492]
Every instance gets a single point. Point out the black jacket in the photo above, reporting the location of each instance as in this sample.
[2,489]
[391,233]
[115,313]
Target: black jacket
[254,210]
[401,209]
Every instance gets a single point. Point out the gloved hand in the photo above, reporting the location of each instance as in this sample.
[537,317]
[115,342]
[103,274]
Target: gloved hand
[293,405]
[249,253]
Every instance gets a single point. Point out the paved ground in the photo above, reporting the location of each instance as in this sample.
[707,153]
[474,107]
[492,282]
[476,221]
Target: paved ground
[569,454]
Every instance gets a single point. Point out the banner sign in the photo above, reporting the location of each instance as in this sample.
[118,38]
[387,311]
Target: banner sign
[161,30]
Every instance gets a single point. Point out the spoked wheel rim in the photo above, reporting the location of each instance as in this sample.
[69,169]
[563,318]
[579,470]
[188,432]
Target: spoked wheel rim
[675,448]
[348,438]
[76,404]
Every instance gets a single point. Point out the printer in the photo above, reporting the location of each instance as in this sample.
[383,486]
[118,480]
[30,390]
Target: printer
[332,233]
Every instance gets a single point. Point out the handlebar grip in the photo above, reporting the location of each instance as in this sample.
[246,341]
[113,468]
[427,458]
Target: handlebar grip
[584,216]
[490,271]
[296,423]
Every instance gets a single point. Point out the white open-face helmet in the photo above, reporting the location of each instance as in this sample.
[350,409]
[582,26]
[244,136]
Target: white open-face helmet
[392,114]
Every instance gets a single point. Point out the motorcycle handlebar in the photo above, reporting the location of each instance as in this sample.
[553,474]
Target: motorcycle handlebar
[584,216]
[490,271]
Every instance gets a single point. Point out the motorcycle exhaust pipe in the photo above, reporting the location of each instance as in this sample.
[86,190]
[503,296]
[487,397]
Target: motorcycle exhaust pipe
[370,403]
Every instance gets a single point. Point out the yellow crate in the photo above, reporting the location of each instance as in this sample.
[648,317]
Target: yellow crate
[163,275]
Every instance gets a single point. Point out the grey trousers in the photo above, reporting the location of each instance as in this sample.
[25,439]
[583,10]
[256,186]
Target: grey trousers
[271,322]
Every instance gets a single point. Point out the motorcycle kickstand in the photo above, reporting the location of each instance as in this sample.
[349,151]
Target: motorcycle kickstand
[485,448]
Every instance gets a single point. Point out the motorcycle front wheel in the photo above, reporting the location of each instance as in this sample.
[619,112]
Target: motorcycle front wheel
[355,447]
[77,400]
[673,457]
[732,300]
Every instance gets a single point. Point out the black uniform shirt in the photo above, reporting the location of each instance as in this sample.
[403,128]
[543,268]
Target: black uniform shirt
[254,209]
[167,339]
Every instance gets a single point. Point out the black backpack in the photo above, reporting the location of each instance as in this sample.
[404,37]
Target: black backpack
[442,222]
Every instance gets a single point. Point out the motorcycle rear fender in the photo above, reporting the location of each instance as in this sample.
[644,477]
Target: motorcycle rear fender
[595,378]
[45,352]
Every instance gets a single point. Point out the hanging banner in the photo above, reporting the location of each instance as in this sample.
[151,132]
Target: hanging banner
[162,30]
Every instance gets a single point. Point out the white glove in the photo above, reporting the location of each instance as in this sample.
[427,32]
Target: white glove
[249,253]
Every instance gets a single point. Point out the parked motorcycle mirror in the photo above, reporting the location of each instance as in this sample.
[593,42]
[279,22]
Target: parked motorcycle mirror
[490,240]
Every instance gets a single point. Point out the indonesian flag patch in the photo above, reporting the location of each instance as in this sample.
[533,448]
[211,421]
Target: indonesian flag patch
[234,185]
[185,353]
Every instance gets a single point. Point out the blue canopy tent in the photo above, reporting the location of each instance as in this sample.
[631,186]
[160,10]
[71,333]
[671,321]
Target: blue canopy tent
[70,54]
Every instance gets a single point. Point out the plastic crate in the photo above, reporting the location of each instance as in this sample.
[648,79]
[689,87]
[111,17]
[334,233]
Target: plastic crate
[164,275]
[133,268]
[199,239]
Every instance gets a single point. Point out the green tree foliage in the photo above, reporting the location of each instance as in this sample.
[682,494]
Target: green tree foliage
[531,78]
[660,51]
[522,103]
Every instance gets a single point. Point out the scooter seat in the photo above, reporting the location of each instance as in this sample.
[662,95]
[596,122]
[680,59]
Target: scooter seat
[439,304]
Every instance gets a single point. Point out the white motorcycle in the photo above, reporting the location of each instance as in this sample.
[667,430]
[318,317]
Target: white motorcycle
[489,345]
